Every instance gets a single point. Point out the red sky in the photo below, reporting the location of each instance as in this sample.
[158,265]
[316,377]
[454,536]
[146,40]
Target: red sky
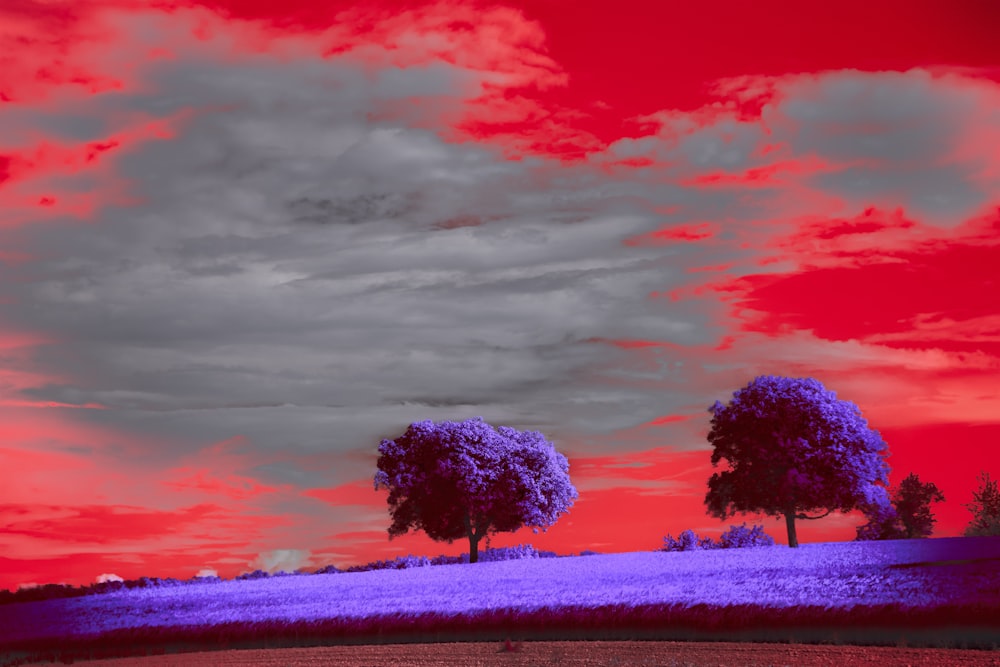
[242,243]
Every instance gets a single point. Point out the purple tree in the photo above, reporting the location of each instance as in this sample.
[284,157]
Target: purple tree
[908,517]
[912,501]
[985,508]
[793,448]
[466,480]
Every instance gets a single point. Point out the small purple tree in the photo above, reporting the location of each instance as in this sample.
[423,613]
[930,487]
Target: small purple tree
[985,508]
[467,479]
[913,501]
[908,517]
[793,448]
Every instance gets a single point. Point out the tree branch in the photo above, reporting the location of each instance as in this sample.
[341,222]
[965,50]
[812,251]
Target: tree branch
[482,524]
[803,516]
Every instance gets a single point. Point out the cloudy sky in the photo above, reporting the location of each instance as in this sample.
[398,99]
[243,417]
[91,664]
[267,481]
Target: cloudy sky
[241,242]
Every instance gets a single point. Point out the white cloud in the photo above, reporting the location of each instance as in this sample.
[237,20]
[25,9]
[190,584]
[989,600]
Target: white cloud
[278,560]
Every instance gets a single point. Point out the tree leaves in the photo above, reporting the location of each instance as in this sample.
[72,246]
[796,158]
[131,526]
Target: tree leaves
[792,447]
[467,479]
[985,508]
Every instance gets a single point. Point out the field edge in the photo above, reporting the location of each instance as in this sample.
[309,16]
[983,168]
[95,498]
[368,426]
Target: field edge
[950,626]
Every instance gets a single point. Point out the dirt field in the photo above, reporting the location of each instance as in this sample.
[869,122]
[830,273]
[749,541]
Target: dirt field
[572,654]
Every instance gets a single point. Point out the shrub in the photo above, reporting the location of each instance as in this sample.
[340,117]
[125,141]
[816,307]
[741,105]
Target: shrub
[687,541]
[588,552]
[398,563]
[736,537]
[740,537]
[883,524]
[447,560]
[368,567]
[519,552]
[142,582]
[150,582]
[107,586]
[45,592]
[329,569]
[406,562]
[256,574]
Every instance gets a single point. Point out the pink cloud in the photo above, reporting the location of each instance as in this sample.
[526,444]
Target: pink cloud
[100,524]
[359,492]
[676,233]
[233,486]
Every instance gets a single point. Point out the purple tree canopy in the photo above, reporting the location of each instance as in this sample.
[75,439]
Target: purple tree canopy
[792,448]
[467,479]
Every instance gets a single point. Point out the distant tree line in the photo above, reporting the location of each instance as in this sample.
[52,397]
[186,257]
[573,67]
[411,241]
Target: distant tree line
[54,591]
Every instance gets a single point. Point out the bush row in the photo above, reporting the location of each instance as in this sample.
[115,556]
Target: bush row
[737,537]
[518,552]
[52,591]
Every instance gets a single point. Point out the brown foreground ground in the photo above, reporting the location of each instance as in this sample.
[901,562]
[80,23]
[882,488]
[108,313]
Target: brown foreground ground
[573,654]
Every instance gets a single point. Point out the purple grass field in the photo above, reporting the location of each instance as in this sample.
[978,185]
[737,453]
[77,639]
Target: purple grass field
[940,592]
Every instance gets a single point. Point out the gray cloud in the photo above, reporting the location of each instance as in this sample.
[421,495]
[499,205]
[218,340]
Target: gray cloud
[897,131]
[933,192]
[891,138]
[892,116]
[287,277]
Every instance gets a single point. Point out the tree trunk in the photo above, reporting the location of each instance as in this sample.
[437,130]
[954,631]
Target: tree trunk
[474,548]
[474,538]
[793,540]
